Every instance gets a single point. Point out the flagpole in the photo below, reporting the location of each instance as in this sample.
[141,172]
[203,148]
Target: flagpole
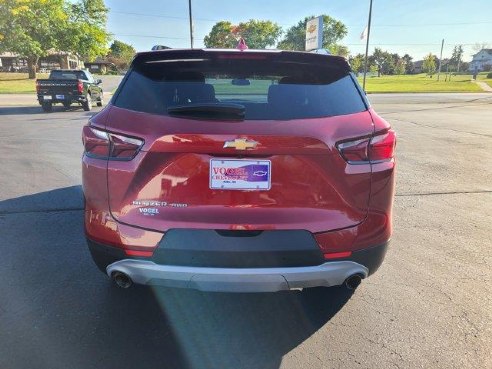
[367,45]
[191,23]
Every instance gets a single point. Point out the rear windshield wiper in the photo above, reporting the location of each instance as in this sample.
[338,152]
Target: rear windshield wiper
[214,111]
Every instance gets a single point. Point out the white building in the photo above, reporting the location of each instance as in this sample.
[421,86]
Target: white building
[481,61]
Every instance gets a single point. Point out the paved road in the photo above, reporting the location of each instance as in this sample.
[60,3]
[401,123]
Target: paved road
[109,84]
[429,306]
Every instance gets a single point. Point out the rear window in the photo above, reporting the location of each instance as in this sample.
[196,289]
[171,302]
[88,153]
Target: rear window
[266,88]
[63,74]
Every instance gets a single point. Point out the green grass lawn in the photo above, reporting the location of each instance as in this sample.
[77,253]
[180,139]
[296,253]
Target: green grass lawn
[420,83]
[11,83]
[482,77]
[18,83]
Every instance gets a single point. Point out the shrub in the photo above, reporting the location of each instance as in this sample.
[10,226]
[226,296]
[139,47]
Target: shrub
[489,75]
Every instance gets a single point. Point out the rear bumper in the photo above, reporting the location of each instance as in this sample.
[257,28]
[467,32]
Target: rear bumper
[153,271]
[66,98]
[238,279]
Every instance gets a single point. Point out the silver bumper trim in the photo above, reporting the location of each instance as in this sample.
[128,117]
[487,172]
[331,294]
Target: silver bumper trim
[237,279]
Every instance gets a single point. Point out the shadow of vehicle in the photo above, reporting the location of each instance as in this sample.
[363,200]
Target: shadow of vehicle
[29,110]
[57,310]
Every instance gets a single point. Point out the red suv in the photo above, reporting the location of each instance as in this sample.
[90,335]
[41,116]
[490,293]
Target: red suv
[240,171]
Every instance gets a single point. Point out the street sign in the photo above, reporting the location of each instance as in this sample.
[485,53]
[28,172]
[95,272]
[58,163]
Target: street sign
[314,33]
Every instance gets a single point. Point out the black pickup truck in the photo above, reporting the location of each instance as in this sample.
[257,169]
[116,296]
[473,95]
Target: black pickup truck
[67,86]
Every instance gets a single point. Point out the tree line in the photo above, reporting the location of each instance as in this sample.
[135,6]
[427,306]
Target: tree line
[260,34]
[32,28]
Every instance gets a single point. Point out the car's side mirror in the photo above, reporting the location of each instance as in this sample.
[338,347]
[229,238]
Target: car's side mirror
[98,81]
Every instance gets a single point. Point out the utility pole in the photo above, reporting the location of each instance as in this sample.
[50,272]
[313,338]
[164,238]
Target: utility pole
[367,45]
[440,60]
[191,23]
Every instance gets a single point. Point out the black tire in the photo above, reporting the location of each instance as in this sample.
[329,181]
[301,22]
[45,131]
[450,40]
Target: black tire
[87,104]
[67,104]
[47,107]
[100,102]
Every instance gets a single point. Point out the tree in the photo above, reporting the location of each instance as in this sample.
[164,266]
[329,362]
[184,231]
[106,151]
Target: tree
[121,54]
[87,35]
[357,63]
[32,28]
[409,69]
[479,46]
[221,36]
[400,66]
[295,37]
[429,64]
[383,60]
[340,50]
[456,57]
[258,34]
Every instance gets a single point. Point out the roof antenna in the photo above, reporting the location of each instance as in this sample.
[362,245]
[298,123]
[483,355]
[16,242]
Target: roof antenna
[242,44]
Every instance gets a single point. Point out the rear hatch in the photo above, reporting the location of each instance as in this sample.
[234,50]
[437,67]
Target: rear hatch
[239,140]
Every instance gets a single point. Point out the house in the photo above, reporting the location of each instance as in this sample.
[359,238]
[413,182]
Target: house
[482,61]
[417,66]
[11,62]
[100,66]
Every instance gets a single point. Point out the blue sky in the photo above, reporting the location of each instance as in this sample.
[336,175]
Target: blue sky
[415,27]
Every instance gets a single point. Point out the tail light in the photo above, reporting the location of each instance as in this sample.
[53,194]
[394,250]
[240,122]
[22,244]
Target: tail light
[106,145]
[380,147]
[37,87]
[80,86]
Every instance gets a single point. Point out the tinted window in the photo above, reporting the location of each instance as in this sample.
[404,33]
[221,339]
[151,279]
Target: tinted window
[67,74]
[267,90]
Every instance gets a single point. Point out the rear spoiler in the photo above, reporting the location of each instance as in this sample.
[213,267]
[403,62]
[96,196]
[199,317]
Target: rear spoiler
[277,55]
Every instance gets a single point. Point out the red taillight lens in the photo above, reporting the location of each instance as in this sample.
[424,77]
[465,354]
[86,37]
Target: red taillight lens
[374,149]
[102,144]
[37,87]
[80,86]
[96,142]
[354,151]
[123,147]
[382,147]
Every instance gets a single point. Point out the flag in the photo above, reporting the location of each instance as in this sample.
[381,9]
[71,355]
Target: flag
[363,35]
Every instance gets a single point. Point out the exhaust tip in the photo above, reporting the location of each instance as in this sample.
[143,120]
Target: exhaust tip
[122,280]
[353,281]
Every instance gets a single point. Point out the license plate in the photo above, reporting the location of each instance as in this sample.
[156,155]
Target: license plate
[235,174]
[47,98]
[60,97]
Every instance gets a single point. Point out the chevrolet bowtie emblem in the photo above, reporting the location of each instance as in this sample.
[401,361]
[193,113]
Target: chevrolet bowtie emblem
[240,144]
[311,28]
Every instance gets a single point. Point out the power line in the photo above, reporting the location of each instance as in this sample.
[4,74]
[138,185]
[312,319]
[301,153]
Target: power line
[431,24]
[347,44]
[163,16]
[155,36]
[289,25]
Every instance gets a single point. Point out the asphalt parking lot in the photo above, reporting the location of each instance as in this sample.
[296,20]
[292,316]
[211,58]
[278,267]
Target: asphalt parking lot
[429,306]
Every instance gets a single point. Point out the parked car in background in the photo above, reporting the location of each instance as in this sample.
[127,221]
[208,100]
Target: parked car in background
[68,86]
[238,171]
